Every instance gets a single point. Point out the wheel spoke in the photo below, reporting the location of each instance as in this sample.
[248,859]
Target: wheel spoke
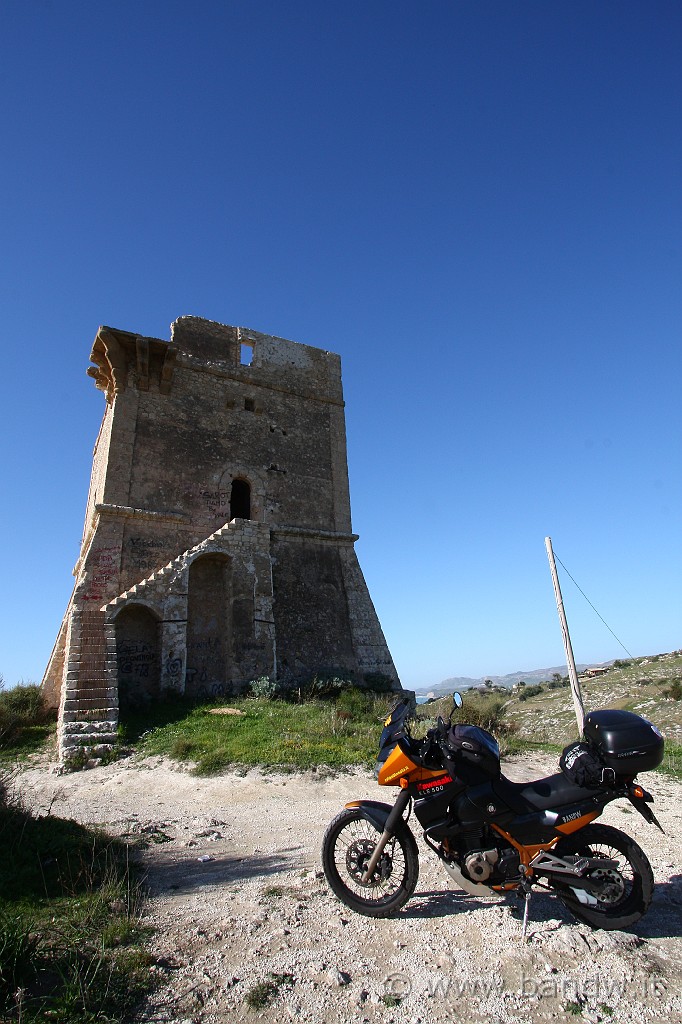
[354,846]
[347,849]
[626,886]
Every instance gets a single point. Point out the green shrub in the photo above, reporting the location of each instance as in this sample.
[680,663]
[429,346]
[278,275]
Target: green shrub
[489,714]
[530,691]
[356,703]
[674,690]
[25,700]
[263,687]
[262,994]
[326,685]
[22,711]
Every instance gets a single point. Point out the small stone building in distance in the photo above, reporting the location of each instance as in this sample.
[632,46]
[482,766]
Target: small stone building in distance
[217,545]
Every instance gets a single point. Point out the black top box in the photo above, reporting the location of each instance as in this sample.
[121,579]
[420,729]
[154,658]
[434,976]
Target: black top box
[624,741]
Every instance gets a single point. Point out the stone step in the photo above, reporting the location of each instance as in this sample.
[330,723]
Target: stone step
[75,744]
[99,715]
[172,566]
[97,729]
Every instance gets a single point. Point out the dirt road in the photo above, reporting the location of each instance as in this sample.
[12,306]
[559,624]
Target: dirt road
[238,899]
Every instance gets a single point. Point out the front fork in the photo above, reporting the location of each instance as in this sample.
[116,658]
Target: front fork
[391,823]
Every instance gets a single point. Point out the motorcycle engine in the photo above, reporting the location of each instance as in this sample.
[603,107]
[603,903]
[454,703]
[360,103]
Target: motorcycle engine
[480,865]
[483,861]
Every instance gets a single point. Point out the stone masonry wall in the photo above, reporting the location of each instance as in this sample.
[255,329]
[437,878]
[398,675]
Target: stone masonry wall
[217,543]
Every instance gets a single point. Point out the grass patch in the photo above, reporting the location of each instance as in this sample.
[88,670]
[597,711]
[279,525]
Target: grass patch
[647,686]
[30,740]
[262,994]
[672,760]
[71,945]
[135,724]
[274,734]
[26,723]
[520,745]
[390,1000]
[343,731]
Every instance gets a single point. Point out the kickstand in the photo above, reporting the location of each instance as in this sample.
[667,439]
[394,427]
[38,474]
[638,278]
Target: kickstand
[526,907]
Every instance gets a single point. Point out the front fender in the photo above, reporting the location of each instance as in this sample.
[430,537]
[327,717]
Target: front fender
[376,813]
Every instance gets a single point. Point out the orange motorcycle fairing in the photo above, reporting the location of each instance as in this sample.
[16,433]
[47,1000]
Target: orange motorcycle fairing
[572,826]
[399,765]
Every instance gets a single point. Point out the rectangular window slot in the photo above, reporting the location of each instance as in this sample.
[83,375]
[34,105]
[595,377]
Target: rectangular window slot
[245,353]
[249,405]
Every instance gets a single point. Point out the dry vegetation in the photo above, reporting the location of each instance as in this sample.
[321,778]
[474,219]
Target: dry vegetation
[648,686]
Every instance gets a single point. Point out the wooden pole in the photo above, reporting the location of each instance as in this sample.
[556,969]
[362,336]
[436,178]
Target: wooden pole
[570,661]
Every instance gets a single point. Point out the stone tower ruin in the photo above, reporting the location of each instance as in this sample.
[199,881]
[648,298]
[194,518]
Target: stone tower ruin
[217,545]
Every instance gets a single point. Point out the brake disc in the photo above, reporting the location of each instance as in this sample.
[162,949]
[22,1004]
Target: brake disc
[358,856]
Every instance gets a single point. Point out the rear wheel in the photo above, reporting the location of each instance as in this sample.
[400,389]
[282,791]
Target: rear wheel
[348,844]
[627,889]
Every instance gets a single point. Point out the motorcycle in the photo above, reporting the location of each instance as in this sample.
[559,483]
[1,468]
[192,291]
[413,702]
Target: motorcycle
[494,836]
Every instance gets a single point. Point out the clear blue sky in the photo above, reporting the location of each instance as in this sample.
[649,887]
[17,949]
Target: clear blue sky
[477,204]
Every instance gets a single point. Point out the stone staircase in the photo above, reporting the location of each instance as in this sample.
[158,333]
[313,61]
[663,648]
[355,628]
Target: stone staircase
[89,711]
[171,569]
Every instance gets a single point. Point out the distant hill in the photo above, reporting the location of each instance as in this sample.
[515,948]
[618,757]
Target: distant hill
[648,686]
[536,675]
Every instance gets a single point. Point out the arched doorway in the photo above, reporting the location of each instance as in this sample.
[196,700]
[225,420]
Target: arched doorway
[136,630]
[209,626]
[240,499]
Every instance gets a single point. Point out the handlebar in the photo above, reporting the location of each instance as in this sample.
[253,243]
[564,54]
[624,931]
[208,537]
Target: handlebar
[440,735]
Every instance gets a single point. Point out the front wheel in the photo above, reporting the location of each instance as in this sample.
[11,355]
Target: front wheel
[347,847]
[627,889]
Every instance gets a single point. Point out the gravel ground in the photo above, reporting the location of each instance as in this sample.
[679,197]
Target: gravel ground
[238,900]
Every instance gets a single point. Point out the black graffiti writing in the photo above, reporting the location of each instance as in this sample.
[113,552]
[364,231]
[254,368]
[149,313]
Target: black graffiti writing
[144,544]
[210,643]
[174,668]
[216,499]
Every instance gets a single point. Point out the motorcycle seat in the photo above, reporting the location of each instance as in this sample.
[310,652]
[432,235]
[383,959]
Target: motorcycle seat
[547,794]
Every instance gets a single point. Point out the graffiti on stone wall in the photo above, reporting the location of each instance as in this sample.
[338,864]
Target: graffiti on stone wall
[214,644]
[102,568]
[145,553]
[205,661]
[136,659]
[172,673]
[215,500]
[211,692]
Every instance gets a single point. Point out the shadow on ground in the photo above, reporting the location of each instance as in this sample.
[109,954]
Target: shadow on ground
[184,871]
[663,920]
